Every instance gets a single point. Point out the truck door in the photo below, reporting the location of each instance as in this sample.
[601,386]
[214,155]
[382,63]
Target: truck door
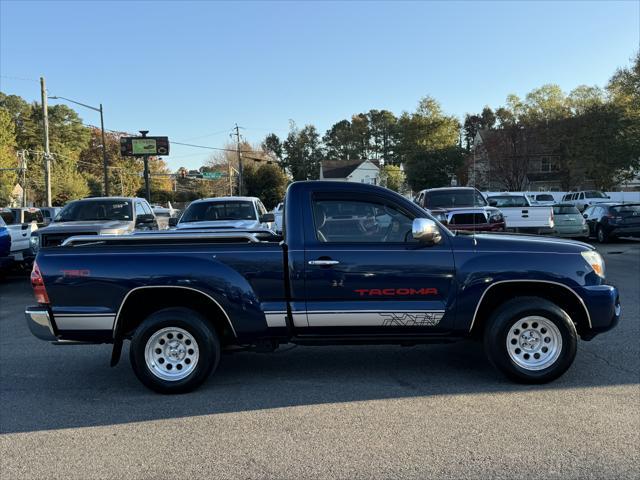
[364,273]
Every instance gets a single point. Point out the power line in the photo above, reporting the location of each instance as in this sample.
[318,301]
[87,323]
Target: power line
[19,78]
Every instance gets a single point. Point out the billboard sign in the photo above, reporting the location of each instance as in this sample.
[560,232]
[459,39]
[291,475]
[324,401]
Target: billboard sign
[140,146]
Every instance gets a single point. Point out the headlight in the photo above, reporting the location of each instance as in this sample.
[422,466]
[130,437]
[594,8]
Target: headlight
[594,259]
[34,242]
[496,217]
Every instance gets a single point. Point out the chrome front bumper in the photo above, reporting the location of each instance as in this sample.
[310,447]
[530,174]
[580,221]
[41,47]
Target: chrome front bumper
[39,323]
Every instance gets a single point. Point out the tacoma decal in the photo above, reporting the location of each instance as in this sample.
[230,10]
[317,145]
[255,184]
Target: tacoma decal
[372,292]
[424,319]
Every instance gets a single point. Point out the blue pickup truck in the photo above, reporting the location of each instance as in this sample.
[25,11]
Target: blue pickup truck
[356,264]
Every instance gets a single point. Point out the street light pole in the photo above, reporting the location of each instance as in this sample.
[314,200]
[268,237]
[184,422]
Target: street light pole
[105,159]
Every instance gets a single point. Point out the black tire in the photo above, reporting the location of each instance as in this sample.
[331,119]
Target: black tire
[208,347]
[500,325]
[601,235]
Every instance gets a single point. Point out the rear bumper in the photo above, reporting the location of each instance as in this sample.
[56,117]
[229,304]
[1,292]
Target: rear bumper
[39,322]
[603,304]
[25,255]
[575,231]
[625,232]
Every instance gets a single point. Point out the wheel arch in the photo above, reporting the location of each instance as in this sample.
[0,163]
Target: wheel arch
[558,293]
[140,302]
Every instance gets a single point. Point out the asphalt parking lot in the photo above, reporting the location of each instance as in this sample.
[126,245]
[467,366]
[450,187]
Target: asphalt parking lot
[323,412]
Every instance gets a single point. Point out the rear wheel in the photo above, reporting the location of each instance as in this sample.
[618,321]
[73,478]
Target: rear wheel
[174,350]
[531,340]
[601,235]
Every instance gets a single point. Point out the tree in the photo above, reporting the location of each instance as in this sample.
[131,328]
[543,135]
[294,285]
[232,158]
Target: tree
[434,168]
[428,145]
[7,156]
[273,146]
[392,177]
[339,142]
[474,123]
[303,153]
[267,182]
[383,135]
[67,183]
[544,104]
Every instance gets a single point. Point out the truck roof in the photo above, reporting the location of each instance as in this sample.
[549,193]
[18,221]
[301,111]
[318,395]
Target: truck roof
[447,188]
[91,199]
[226,199]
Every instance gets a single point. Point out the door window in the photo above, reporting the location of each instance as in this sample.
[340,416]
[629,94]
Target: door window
[345,221]
[146,208]
[139,209]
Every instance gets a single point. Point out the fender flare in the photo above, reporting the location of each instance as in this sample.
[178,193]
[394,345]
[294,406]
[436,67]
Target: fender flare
[580,300]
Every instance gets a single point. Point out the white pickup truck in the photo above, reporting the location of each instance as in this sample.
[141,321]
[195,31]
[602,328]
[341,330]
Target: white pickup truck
[21,223]
[521,216]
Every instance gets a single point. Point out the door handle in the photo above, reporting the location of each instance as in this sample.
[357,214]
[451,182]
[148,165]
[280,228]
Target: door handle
[323,262]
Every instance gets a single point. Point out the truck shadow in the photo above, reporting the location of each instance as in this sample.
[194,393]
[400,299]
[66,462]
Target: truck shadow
[73,387]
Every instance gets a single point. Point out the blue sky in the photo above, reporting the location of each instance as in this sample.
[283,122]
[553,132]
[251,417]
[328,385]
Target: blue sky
[190,70]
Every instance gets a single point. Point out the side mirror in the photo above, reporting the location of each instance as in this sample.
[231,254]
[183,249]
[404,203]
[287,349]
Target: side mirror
[585,215]
[267,218]
[144,219]
[493,203]
[425,230]
[173,221]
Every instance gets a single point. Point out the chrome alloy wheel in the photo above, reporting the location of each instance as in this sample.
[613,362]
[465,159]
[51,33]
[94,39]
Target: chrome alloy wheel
[534,343]
[171,354]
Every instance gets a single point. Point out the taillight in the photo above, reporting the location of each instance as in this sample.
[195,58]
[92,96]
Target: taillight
[37,282]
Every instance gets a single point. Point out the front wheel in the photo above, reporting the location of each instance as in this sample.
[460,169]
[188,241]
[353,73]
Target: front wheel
[174,350]
[531,340]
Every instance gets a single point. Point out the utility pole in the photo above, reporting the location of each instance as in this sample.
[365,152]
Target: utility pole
[47,156]
[240,178]
[23,166]
[104,156]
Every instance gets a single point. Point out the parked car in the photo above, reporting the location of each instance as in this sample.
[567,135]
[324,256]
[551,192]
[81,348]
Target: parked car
[245,213]
[462,208]
[277,214]
[569,222]
[98,216]
[607,221]
[585,198]
[22,224]
[521,215]
[396,276]
[49,213]
[542,199]
[5,247]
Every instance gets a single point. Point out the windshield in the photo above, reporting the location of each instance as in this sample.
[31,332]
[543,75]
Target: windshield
[594,194]
[509,201]
[217,210]
[565,210]
[2,224]
[88,210]
[454,198]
